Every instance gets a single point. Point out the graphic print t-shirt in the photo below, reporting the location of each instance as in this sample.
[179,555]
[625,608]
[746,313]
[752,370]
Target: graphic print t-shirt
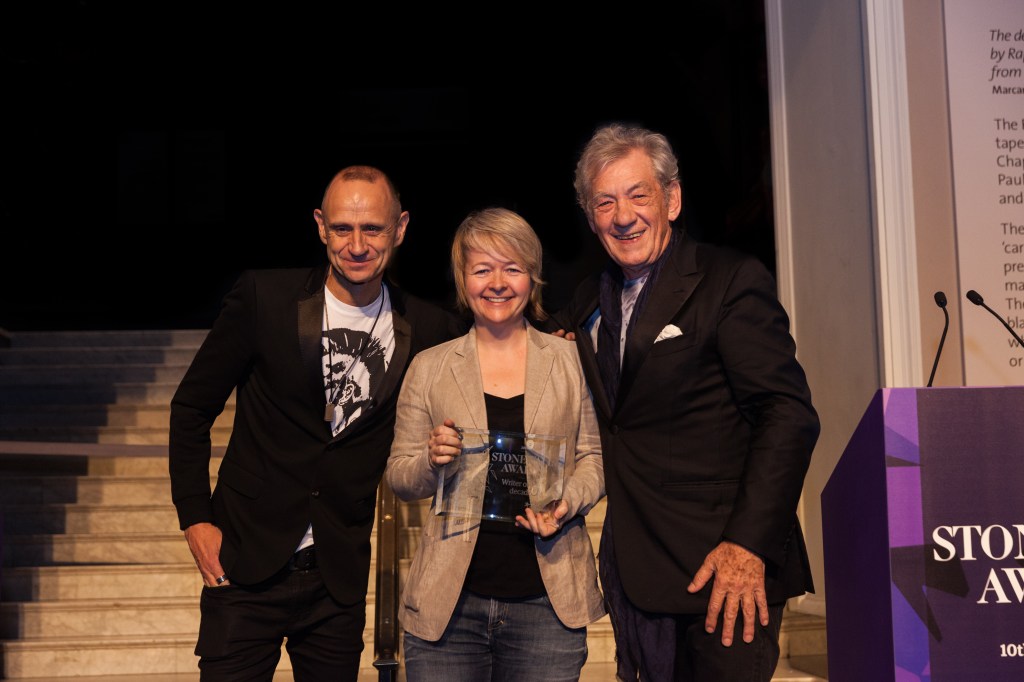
[356,350]
[354,358]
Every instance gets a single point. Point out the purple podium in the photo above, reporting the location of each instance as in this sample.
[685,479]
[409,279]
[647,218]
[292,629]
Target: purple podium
[923,522]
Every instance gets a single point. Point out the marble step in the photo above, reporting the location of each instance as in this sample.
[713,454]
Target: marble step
[34,458]
[593,671]
[131,548]
[95,375]
[68,415]
[99,656]
[95,548]
[61,583]
[170,653]
[39,458]
[144,658]
[146,547]
[109,658]
[131,337]
[31,655]
[595,519]
[98,618]
[803,639]
[67,504]
[365,675]
[31,581]
[39,358]
[106,618]
[112,490]
[87,518]
[126,435]
[131,581]
[20,491]
[600,641]
[125,393]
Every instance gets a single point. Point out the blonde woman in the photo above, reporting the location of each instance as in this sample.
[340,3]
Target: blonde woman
[503,601]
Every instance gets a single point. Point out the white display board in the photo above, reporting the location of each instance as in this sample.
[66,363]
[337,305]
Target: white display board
[985,67]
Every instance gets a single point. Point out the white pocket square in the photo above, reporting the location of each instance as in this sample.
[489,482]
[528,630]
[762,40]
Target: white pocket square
[669,332]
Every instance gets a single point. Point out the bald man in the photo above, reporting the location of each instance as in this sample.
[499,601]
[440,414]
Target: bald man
[317,357]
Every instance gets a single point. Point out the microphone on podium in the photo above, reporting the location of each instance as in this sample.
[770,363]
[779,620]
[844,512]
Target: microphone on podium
[940,300]
[975,298]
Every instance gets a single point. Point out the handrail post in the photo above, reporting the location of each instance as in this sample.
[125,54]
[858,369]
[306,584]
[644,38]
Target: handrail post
[385,631]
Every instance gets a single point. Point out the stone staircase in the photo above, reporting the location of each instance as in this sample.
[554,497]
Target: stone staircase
[96,387]
[96,580]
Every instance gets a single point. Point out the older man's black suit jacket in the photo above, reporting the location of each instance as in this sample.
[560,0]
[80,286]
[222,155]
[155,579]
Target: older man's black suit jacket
[282,469]
[712,429]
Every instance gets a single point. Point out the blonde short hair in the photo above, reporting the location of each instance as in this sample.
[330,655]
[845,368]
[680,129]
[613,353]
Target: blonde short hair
[498,229]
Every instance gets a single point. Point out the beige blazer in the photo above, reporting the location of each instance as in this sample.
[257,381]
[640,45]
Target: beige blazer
[444,382]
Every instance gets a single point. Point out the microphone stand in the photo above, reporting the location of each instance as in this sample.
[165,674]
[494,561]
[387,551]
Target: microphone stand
[940,300]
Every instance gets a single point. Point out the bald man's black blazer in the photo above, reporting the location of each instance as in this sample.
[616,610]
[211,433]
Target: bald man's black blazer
[282,469]
[712,429]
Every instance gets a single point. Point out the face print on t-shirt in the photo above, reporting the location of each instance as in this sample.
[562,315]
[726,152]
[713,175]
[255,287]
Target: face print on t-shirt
[353,368]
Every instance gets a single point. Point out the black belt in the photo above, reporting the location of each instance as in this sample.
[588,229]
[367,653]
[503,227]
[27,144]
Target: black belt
[303,560]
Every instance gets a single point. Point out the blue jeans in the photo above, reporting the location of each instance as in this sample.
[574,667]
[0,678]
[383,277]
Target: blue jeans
[499,640]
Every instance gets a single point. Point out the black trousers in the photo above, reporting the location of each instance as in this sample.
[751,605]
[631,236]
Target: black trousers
[701,657]
[243,627]
[659,647]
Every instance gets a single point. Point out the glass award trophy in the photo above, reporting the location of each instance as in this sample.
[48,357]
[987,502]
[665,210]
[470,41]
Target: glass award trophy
[508,470]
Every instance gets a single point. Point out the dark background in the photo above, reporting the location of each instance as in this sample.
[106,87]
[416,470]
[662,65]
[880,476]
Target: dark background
[144,162]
